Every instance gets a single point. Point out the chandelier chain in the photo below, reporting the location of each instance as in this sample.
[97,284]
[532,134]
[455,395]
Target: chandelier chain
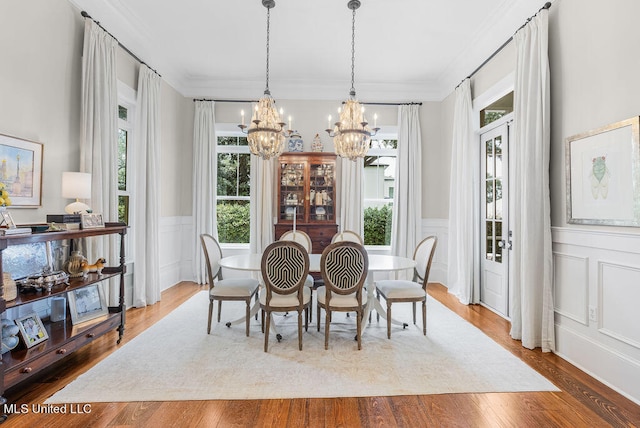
[266,91]
[353,51]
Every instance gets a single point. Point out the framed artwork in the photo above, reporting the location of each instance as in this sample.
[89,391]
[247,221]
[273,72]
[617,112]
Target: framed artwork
[603,175]
[22,173]
[32,330]
[91,221]
[87,303]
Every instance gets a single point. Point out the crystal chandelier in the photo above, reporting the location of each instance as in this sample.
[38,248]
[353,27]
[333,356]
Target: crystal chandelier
[351,134]
[266,134]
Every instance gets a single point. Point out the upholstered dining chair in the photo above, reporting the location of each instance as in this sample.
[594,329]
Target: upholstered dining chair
[284,266]
[347,235]
[394,290]
[344,267]
[235,289]
[303,239]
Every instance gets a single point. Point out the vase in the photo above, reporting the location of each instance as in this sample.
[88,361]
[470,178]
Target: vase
[74,264]
[317,145]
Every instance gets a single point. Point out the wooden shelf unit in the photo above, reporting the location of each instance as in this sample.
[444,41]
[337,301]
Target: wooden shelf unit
[300,177]
[64,337]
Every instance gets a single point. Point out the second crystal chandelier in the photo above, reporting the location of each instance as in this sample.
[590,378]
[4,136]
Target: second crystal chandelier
[352,135]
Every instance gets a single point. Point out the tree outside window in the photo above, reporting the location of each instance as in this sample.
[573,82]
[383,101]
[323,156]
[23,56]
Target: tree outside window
[233,190]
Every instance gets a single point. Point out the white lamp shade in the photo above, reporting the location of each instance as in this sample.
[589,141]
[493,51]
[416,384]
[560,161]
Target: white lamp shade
[76,185]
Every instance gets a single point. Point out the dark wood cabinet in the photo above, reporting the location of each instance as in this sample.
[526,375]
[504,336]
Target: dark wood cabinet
[64,337]
[306,196]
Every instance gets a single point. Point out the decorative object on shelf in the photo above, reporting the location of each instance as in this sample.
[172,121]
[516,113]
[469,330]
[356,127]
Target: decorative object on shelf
[312,197]
[290,212]
[45,280]
[9,287]
[266,132]
[58,309]
[295,143]
[96,267]
[24,159]
[320,213]
[87,303]
[9,335]
[6,220]
[74,264]
[76,185]
[91,221]
[351,134]
[317,145]
[32,330]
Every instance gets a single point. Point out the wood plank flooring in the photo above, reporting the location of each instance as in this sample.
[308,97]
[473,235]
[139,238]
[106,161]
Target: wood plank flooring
[582,402]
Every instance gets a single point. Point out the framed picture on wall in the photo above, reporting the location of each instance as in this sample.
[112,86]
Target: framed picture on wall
[23,169]
[603,175]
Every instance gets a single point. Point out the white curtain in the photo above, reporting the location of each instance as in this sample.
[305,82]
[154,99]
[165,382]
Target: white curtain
[204,182]
[406,228]
[532,317]
[262,198]
[146,287]
[98,138]
[351,215]
[462,276]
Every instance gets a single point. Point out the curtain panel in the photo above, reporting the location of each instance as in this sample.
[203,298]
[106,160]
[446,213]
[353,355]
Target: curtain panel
[262,197]
[406,226]
[98,137]
[463,258]
[351,216]
[532,314]
[205,182]
[146,287]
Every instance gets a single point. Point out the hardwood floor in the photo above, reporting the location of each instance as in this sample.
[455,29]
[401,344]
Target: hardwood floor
[582,402]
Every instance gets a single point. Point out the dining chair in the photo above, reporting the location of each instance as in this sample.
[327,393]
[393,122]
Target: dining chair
[232,289]
[395,290]
[284,266]
[347,235]
[303,239]
[344,267]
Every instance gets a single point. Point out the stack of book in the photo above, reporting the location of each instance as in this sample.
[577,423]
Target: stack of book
[15,231]
[64,221]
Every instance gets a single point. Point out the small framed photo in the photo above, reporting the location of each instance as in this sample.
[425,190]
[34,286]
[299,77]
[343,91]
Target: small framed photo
[32,330]
[87,303]
[91,221]
[6,220]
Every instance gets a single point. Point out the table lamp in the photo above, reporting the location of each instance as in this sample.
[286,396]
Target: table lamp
[76,185]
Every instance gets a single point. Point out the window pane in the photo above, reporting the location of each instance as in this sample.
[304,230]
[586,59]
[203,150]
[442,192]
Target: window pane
[497,109]
[498,156]
[232,141]
[122,113]
[377,223]
[122,159]
[489,156]
[489,244]
[227,174]
[244,174]
[498,238]
[123,209]
[489,199]
[233,221]
[498,205]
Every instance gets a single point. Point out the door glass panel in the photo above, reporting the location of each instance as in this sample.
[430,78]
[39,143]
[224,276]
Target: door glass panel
[498,155]
[321,195]
[498,197]
[489,199]
[489,155]
[292,191]
[498,256]
[489,244]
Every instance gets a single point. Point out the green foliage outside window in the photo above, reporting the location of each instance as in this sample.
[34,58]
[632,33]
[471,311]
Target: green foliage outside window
[233,222]
[377,225]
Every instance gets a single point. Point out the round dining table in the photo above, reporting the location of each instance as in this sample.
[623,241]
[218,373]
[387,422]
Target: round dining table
[377,263]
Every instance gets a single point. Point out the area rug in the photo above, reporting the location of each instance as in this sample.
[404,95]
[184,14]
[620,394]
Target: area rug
[176,360]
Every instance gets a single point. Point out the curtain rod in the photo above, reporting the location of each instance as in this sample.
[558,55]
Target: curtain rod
[547,5]
[392,104]
[225,101]
[86,15]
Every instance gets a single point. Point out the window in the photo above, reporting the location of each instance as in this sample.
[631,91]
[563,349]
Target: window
[125,128]
[496,110]
[379,187]
[233,190]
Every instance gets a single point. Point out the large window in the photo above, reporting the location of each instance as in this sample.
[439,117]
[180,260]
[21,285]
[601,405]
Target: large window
[379,188]
[233,192]
[125,129]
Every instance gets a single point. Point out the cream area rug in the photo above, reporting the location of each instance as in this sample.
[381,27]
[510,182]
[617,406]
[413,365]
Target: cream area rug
[176,360]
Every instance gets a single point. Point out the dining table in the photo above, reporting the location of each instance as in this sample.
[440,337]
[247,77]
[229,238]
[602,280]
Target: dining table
[377,263]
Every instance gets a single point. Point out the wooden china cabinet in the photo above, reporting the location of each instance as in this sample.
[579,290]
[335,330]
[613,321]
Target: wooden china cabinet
[307,196]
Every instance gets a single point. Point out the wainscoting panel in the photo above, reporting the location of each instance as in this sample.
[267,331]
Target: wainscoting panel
[619,292]
[440,228]
[571,291]
[597,290]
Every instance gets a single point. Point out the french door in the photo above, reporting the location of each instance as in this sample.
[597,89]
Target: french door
[496,236]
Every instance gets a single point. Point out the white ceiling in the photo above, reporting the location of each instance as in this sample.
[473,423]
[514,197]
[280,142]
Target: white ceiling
[406,50]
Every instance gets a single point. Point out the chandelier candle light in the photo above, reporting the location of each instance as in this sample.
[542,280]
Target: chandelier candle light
[351,134]
[266,133]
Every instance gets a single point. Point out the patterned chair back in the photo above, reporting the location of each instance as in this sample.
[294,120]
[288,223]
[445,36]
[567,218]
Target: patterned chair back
[344,267]
[212,256]
[423,257]
[285,266]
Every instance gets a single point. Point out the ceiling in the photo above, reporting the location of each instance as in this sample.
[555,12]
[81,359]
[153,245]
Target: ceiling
[406,50]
